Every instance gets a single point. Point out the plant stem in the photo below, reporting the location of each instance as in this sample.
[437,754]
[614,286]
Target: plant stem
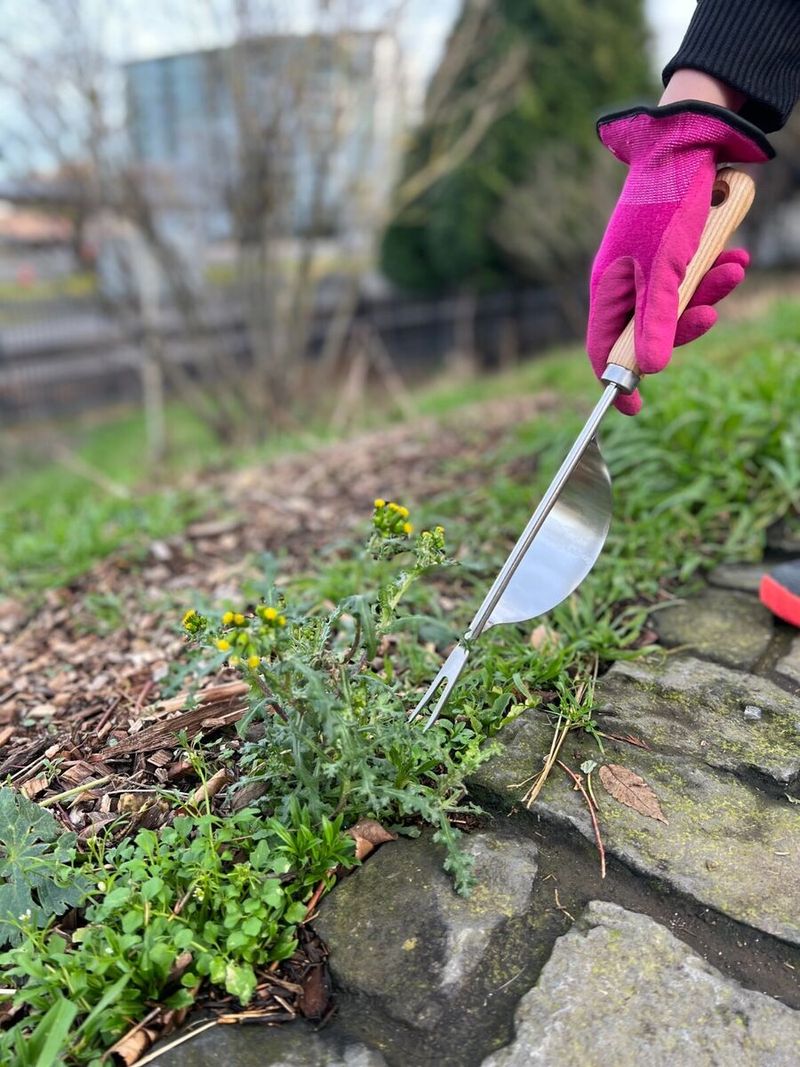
[68,794]
[559,737]
[576,778]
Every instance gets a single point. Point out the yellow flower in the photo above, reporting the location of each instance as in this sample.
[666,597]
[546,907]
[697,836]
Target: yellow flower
[402,512]
[223,645]
[227,618]
[281,620]
[190,614]
[380,502]
[270,614]
[408,528]
[439,530]
[234,661]
[238,618]
[392,506]
[253,661]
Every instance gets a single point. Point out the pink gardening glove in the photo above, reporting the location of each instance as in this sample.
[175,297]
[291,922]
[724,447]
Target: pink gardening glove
[673,153]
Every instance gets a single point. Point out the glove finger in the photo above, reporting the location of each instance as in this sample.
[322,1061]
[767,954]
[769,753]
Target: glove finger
[693,323]
[613,297]
[727,272]
[629,405]
[656,319]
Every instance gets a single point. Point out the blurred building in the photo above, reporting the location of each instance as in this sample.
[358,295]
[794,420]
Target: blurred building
[307,127]
[34,244]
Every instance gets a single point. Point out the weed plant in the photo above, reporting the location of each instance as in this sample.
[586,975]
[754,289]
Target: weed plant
[329,687]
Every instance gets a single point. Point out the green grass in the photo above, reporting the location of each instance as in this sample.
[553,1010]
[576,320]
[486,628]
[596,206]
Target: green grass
[24,298]
[699,476]
[81,283]
[56,522]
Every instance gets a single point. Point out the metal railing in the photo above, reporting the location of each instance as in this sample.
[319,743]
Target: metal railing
[71,356]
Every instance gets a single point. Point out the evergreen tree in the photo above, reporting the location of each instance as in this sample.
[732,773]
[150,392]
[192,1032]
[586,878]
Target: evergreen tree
[519,81]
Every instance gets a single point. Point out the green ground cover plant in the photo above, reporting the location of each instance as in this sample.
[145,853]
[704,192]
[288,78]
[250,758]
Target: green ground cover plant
[335,657]
[206,898]
[328,690]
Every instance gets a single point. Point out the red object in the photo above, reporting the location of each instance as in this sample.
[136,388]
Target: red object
[780,592]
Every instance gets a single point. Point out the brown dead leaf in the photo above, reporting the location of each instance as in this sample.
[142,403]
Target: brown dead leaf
[134,1045]
[316,995]
[368,834]
[130,803]
[34,786]
[632,790]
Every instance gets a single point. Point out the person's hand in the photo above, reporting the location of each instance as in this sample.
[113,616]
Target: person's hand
[673,153]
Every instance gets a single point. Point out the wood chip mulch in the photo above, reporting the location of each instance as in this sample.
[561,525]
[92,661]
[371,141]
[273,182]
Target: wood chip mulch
[82,708]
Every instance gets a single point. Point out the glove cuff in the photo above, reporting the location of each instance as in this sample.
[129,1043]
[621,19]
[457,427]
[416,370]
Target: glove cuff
[684,125]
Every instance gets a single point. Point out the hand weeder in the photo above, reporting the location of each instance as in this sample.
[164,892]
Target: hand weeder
[568,529]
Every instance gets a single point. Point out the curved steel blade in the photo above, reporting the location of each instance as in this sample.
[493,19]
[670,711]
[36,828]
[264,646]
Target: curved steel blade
[565,547]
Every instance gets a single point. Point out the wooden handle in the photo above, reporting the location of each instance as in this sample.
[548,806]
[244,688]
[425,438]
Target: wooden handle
[730,201]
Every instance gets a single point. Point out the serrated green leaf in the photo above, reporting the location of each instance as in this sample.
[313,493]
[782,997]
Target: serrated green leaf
[37,879]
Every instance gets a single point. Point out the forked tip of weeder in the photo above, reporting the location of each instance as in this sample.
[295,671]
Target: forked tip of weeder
[440,703]
[446,678]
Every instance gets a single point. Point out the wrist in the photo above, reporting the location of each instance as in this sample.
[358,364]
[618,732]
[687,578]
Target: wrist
[689,84]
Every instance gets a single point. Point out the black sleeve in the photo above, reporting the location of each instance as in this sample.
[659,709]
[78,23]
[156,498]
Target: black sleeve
[751,45]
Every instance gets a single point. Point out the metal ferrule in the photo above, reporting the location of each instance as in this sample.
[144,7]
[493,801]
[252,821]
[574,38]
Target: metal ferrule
[624,379]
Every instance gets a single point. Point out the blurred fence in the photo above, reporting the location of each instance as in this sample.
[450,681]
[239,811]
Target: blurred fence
[73,356]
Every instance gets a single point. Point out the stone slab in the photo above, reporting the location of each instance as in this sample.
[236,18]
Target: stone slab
[679,704]
[727,845]
[745,577]
[620,989]
[725,626]
[400,936]
[295,1045]
[789,665]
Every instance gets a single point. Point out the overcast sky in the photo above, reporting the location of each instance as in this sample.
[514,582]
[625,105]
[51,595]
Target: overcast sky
[157,26]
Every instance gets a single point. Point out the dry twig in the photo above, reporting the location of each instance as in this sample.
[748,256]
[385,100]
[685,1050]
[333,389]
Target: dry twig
[578,781]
